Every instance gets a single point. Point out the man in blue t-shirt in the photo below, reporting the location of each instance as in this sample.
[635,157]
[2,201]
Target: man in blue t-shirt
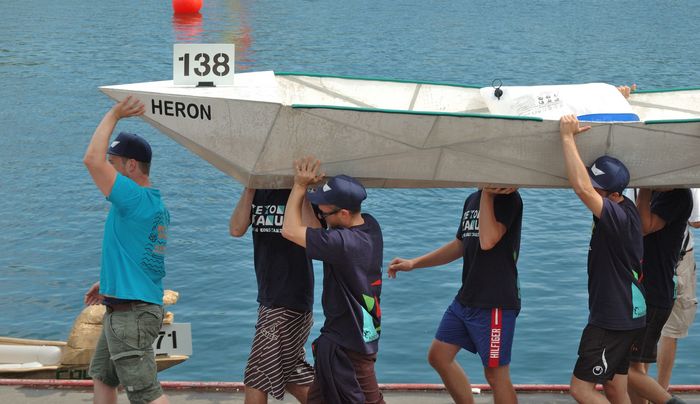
[615,295]
[664,214]
[133,267]
[277,360]
[481,319]
[351,251]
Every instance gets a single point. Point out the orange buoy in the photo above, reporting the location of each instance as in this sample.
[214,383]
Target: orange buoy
[186,6]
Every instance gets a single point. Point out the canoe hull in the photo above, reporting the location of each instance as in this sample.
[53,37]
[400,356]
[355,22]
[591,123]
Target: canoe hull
[62,371]
[254,139]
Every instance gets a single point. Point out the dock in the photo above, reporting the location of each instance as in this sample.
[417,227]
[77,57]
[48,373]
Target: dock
[80,391]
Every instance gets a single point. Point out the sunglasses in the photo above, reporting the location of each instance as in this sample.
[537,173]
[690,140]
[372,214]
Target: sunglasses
[323,215]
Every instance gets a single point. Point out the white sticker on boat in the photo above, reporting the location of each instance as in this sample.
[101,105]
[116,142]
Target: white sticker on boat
[174,339]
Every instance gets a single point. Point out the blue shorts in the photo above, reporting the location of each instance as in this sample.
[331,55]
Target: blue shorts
[488,332]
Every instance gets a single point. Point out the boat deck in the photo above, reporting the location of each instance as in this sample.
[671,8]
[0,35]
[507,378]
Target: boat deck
[59,392]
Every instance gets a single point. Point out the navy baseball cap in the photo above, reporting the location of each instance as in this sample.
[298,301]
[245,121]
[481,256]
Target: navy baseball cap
[132,146]
[609,174]
[342,191]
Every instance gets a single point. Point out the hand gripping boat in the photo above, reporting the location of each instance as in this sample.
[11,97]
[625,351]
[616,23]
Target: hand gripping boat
[391,133]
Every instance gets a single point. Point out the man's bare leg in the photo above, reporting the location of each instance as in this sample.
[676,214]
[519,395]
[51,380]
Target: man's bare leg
[104,393]
[255,396]
[298,391]
[665,358]
[642,387]
[441,357]
[501,385]
[616,390]
[161,400]
[585,393]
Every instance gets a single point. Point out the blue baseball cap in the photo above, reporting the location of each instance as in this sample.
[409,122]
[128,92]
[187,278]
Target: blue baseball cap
[132,146]
[342,191]
[609,174]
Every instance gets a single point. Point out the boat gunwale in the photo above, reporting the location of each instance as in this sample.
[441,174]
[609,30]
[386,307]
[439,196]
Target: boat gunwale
[662,121]
[439,83]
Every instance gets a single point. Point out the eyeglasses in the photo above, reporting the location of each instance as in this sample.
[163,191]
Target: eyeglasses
[323,215]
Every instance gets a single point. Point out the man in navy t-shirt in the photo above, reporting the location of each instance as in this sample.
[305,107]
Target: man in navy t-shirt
[351,251]
[277,360]
[664,215]
[481,319]
[615,297]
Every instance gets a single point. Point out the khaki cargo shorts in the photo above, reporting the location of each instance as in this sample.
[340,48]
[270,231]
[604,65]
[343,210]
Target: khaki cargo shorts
[124,353]
[686,303]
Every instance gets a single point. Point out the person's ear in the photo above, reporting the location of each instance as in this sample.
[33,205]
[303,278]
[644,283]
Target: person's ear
[131,165]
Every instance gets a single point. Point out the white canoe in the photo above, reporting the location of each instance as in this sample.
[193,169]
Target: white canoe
[392,133]
[22,358]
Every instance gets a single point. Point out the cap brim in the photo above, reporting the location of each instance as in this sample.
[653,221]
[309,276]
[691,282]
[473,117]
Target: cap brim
[593,181]
[317,198]
[595,184]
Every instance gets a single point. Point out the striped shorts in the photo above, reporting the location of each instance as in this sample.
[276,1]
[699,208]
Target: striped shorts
[278,356]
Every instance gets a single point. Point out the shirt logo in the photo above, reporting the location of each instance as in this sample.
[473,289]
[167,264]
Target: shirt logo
[326,187]
[597,171]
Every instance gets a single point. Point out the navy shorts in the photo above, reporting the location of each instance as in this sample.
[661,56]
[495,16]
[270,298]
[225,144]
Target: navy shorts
[488,332]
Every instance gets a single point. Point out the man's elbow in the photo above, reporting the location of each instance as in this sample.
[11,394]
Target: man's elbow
[237,231]
[286,232]
[89,161]
[296,235]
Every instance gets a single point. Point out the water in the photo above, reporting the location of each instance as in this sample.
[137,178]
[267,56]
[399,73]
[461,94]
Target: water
[54,55]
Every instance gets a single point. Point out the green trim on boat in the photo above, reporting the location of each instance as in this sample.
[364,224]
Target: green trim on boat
[654,122]
[666,90]
[401,111]
[438,83]
[435,83]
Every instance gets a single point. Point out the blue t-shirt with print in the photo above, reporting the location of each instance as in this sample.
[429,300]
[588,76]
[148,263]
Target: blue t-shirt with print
[352,283]
[133,248]
[490,277]
[615,296]
[662,248]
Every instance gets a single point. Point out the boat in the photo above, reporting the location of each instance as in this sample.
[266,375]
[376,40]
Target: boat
[408,134]
[53,369]
[22,358]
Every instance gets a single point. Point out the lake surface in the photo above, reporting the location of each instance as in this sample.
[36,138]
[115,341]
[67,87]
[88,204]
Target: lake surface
[54,56]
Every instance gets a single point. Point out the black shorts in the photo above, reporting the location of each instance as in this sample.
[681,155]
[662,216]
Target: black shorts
[603,353]
[644,346]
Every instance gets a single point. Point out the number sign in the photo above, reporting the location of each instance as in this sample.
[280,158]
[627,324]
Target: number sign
[174,339]
[194,64]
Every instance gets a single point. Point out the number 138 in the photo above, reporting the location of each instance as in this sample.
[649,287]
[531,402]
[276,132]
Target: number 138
[220,66]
